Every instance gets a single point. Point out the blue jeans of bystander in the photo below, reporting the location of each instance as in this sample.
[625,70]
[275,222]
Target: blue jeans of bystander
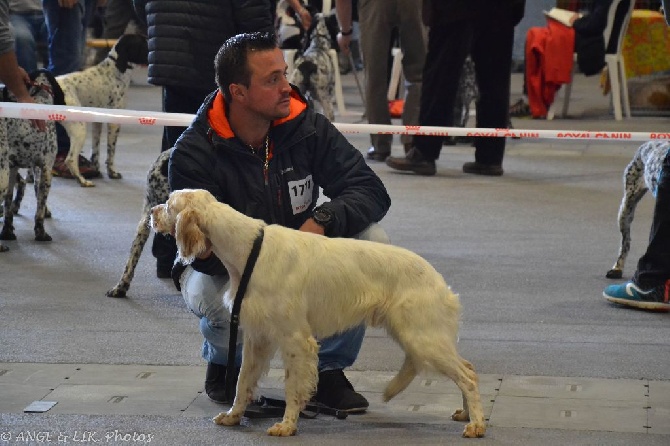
[29,31]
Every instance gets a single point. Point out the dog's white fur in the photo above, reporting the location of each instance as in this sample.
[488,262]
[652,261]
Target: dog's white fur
[103,85]
[640,175]
[305,286]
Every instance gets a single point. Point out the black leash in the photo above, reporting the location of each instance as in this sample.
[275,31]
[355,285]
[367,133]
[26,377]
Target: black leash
[235,315]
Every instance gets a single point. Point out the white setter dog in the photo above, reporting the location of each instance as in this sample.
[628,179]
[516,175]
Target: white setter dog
[305,286]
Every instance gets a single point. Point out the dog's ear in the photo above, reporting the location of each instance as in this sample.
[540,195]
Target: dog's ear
[191,241]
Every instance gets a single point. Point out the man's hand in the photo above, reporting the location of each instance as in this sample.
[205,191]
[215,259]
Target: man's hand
[27,99]
[312,226]
[344,42]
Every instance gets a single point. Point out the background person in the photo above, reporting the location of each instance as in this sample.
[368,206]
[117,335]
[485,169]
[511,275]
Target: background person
[485,30]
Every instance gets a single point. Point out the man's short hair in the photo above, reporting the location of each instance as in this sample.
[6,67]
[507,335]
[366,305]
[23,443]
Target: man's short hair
[231,61]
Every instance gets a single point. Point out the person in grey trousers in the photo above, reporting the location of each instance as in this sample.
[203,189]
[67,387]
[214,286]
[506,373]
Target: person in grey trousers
[377,20]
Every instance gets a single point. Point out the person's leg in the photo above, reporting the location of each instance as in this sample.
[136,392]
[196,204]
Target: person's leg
[375,19]
[25,45]
[413,45]
[65,30]
[447,49]
[653,268]
[448,46]
[203,296]
[118,14]
[650,287]
[340,351]
[492,55]
[179,100]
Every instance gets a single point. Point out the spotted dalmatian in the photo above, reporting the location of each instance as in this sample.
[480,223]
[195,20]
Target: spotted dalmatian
[30,148]
[314,73]
[467,92]
[103,85]
[640,175]
[157,192]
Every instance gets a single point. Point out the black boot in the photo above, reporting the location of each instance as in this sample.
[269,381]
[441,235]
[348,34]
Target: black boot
[215,383]
[413,161]
[335,391]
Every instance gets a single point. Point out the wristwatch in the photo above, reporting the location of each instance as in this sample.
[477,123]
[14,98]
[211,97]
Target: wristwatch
[323,216]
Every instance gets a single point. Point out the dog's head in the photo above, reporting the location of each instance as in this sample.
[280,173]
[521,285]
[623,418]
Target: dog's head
[44,89]
[320,38]
[130,49]
[180,216]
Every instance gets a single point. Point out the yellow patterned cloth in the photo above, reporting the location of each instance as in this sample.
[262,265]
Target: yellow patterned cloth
[646,47]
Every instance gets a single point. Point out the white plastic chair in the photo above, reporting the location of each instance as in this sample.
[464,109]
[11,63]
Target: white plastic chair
[614,61]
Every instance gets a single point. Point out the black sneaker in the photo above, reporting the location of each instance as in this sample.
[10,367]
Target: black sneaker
[493,170]
[520,109]
[377,155]
[413,161]
[163,270]
[336,392]
[215,383]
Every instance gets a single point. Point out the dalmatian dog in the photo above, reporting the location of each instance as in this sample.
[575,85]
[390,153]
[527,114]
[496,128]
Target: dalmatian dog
[103,85]
[30,148]
[314,73]
[640,175]
[157,192]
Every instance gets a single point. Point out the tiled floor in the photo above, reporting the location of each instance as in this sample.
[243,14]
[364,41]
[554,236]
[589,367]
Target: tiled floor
[614,405]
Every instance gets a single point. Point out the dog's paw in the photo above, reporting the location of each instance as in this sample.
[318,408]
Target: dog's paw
[224,419]
[460,415]
[114,175]
[43,237]
[614,274]
[7,235]
[474,430]
[282,430]
[86,183]
[117,291]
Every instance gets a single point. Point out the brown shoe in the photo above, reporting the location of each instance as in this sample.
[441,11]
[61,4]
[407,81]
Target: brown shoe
[493,170]
[412,162]
[377,155]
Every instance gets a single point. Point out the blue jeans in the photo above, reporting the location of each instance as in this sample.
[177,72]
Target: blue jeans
[67,34]
[29,30]
[203,296]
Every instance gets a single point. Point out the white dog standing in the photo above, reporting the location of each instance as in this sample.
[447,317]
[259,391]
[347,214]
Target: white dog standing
[305,286]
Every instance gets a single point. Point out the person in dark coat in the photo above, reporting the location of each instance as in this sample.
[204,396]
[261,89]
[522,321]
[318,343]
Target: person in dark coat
[257,146]
[183,40]
[485,30]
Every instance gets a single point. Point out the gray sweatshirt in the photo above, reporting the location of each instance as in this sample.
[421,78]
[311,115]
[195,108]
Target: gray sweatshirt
[6,38]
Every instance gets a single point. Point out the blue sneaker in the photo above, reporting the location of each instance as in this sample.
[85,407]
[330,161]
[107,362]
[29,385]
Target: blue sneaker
[631,295]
